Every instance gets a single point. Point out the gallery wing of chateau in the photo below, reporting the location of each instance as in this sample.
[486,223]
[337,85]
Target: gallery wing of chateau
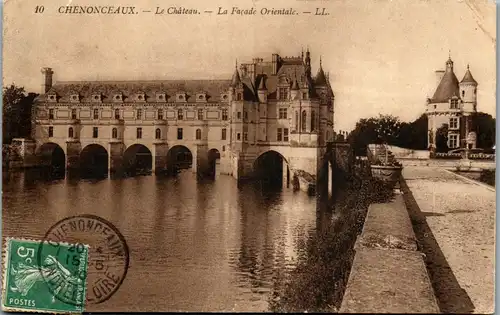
[274,105]
[452,104]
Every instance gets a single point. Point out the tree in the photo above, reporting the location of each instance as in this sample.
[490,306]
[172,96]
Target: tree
[442,139]
[414,135]
[16,112]
[484,125]
[363,134]
[382,129]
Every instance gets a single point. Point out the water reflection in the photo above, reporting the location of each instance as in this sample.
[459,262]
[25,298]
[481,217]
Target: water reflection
[195,245]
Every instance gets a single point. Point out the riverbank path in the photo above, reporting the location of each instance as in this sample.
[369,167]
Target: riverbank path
[454,221]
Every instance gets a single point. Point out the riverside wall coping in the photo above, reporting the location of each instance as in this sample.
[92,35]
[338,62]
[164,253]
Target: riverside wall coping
[388,225]
[388,274]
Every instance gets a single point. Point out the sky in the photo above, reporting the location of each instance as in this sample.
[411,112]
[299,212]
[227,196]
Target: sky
[381,54]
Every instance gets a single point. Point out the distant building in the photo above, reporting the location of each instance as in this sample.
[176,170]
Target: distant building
[453,103]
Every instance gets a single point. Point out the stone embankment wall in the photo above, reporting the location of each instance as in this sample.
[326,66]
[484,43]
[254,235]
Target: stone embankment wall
[461,164]
[388,274]
[408,153]
[20,154]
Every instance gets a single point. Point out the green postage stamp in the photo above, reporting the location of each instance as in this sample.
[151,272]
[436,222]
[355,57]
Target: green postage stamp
[44,276]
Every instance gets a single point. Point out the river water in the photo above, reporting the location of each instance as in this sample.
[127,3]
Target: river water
[194,246]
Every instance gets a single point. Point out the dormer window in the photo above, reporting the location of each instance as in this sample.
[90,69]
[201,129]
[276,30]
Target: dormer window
[118,97]
[181,97]
[224,97]
[51,98]
[283,93]
[201,97]
[74,98]
[454,103]
[141,97]
[160,97]
[96,97]
[304,96]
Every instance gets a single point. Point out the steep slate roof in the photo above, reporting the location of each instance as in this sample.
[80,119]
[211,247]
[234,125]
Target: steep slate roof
[447,88]
[262,84]
[468,78]
[320,79]
[236,78]
[107,89]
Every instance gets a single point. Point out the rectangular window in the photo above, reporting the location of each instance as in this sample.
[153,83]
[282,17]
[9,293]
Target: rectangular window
[96,113]
[139,133]
[454,123]
[139,114]
[51,113]
[238,136]
[180,114]
[280,135]
[245,115]
[283,93]
[285,134]
[224,114]
[160,114]
[73,113]
[223,136]
[179,133]
[51,131]
[453,141]
[282,113]
[238,115]
[200,114]
[95,132]
[454,104]
[245,136]
[117,114]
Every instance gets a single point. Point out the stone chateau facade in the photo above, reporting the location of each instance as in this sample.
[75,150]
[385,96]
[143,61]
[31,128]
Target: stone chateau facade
[274,105]
[453,103]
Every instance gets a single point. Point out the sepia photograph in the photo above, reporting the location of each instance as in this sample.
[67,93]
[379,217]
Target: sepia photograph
[249,156]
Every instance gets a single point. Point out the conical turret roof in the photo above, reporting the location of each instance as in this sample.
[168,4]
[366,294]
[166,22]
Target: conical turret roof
[320,78]
[448,87]
[468,78]
[235,81]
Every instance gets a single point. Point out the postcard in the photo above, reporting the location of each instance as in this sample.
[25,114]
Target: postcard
[249,156]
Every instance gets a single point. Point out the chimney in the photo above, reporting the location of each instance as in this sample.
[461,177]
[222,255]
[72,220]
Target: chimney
[47,83]
[439,76]
[275,64]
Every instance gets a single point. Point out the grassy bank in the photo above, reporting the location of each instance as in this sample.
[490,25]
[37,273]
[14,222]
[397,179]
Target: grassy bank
[318,283]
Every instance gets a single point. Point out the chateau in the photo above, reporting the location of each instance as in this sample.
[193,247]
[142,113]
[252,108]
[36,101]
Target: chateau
[275,106]
[453,103]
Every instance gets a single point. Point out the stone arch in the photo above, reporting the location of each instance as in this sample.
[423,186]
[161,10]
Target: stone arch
[179,157]
[53,155]
[272,169]
[94,161]
[137,160]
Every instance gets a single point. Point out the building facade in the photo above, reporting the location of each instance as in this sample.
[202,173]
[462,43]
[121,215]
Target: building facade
[452,104]
[275,105]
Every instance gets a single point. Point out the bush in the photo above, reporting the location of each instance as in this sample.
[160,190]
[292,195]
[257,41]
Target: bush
[488,177]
